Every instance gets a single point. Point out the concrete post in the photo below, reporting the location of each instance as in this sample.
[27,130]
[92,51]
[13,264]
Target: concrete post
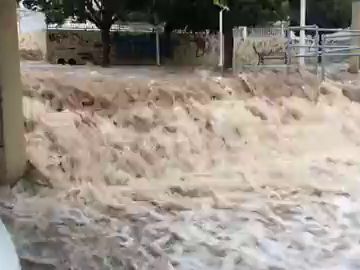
[355,25]
[12,142]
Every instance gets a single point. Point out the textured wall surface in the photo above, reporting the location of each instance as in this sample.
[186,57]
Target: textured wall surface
[245,53]
[198,49]
[85,46]
[33,45]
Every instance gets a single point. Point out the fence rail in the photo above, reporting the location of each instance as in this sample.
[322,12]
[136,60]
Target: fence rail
[323,45]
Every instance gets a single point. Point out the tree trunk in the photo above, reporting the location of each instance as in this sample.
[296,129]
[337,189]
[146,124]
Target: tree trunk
[106,43]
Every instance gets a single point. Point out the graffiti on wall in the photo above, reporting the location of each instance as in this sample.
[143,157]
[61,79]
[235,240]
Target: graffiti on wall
[133,48]
[71,38]
[77,46]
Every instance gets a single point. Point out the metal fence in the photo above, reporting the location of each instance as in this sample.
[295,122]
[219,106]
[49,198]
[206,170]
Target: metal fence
[325,50]
[331,47]
[266,32]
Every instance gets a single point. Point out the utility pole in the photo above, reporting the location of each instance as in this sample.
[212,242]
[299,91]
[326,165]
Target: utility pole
[12,141]
[355,25]
[302,31]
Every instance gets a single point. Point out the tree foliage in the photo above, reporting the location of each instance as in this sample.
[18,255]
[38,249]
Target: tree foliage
[203,14]
[256,12]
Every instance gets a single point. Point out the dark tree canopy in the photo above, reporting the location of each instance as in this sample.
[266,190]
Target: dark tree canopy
[203,14]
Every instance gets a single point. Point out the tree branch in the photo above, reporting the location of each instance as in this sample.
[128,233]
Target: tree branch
[91,19]
[91,13]
[98,5]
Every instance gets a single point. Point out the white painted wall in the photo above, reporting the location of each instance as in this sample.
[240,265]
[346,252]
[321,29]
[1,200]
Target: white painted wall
[31,21]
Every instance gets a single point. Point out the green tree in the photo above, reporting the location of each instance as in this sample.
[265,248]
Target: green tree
[103,13]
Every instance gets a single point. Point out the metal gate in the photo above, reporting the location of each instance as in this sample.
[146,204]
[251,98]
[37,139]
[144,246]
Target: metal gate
[325,50]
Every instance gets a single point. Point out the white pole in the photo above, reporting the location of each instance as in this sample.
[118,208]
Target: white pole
[157,48]
[221,39]
[302,32]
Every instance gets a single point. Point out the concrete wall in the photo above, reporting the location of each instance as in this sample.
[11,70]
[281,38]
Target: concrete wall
[33,45]
[82,46]
[186,49]
[198,49]
[36,42]
[85,46]
[244,52]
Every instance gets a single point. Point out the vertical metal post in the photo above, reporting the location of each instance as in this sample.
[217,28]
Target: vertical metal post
[12,154]
[302,31]
[235,37]
[323,53]
[157,47]
[221,40]
[317,43]
[288,50]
